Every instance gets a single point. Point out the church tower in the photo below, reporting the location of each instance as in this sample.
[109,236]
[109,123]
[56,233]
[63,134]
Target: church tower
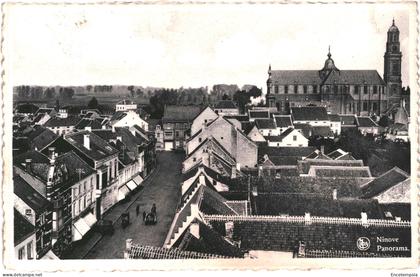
[392,64]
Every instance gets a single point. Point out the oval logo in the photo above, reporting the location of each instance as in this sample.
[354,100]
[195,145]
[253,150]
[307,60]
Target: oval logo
[363,243]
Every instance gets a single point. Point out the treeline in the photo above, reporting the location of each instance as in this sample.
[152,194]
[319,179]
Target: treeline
[181,96]
[199,96]
[47,93]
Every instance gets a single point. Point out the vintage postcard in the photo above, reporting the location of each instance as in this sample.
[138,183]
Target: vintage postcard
[209,135]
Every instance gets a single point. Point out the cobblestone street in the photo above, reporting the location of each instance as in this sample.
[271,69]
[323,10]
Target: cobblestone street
[163,188]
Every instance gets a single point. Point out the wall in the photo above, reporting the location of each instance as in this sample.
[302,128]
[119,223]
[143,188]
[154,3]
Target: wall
[29,240]
[206,116]
[255,135]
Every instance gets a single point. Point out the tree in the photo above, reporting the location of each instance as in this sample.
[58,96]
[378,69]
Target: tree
[93,103]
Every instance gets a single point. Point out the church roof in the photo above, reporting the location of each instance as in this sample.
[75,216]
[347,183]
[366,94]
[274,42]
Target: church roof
[291,77]
[360,77]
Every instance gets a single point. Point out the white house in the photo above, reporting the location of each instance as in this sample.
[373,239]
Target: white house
[204,117]
[335,123]
[128,119]
[289,138]
[125,105]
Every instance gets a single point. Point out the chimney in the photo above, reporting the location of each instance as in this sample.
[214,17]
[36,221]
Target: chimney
[322,149]
[88,128]
[113,128]
[308,220]
[51,152]
[334,194]
[202,180]
[195,230]
[86,141]
[229,229]
[255,190]
[103,127]
[238,166]
[364,219]
[28,163]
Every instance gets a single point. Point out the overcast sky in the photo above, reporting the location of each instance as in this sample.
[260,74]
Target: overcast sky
[196,45]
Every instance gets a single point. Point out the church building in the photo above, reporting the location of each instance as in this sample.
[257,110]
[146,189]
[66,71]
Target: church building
[361,92]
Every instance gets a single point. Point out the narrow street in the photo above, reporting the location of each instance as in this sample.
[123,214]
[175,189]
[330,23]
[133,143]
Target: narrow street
[163,188]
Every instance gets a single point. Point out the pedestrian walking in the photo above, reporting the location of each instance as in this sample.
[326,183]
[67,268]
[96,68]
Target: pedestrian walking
[153,210]
[144,215]
[137,210]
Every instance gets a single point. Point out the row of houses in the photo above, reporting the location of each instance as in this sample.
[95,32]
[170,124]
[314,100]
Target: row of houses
[65,181]
[320,209]
[242,199]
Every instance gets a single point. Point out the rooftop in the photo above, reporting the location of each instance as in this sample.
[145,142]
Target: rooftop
[23,228]
[225,104]
[384,182]
[283,121]
[59,122]
[29,195]
[365,121]
[99,148]
[265,123]
[309,114]
[180,113]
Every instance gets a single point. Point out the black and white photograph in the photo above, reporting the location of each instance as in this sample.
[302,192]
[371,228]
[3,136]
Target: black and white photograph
[215,134]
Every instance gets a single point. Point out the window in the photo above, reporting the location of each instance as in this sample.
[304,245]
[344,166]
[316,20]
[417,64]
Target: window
[365,89]
[315,88]
[305,89]
[205,120]
[335,88]
[177,134]
[221,137]
[286,89]
[294,138]
[295,89]
[375,89]
[365,106]
[194,159]
[276,89]
[199,139]
[21,253]
[28,212]
[29,250]
[356,89]
[374,106]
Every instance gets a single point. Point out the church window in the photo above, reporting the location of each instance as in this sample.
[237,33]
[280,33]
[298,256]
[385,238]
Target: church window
[276,89]
[335,88]
[286,89]
[305,89]
[296,89]
[315,89]
[375,106]
[394,48]
[327,89]
[365,89]
[394,37]
[395,69]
